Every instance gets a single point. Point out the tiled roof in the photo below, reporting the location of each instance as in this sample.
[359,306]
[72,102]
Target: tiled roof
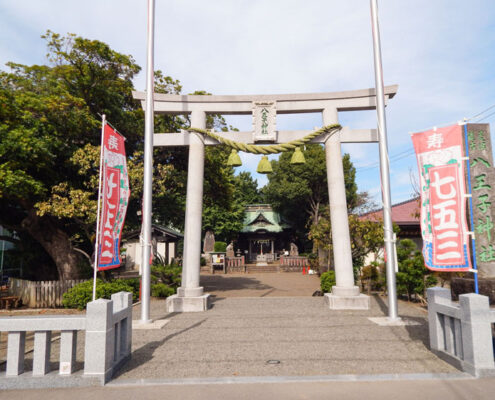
[405,213]
[262,216]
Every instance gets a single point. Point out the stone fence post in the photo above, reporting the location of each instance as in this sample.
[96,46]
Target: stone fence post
[108,335]
[476,332]
[462,333]
[437,296]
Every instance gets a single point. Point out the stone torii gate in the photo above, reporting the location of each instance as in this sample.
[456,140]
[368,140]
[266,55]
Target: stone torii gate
[190,296]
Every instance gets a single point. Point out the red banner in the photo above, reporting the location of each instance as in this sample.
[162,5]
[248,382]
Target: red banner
[443,212]
[114,198]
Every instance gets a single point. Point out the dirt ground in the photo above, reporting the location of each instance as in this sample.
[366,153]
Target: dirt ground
[277,284]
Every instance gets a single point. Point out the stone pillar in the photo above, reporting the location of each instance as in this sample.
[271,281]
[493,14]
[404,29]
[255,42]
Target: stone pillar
[190,295]
[100,340]
[345,295]
[16,344]
[41,358]
[476,334]
[68,349]
[437,296]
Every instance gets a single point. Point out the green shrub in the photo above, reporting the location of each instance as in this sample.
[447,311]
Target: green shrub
[165,279]
[168,274]
[372,277]
[220,247]
[202,261]
[413,278]
[327,280]
[82,294]
[161,290]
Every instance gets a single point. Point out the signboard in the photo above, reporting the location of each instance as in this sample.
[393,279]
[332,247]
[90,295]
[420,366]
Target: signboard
[264,121]
[482,184]
[444,229]
[114,198]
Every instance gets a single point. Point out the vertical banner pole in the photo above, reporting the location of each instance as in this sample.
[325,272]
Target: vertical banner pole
[148,170]
[384,167]
[95,266]
[471,215]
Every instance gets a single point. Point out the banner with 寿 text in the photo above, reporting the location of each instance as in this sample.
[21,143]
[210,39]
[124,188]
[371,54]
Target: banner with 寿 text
[444,229]
[114,198]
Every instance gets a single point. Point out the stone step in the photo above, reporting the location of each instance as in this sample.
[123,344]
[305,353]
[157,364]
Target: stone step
[264,268]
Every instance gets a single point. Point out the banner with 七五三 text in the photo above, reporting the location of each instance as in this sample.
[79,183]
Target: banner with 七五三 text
[114,198]
[444,229]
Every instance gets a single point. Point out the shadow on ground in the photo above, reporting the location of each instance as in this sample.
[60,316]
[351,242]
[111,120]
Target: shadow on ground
[145,353]
[216,283]
[415,332]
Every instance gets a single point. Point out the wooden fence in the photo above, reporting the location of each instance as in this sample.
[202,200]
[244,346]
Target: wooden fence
[41,294]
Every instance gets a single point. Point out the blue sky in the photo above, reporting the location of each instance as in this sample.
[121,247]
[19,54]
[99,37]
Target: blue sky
[439,52]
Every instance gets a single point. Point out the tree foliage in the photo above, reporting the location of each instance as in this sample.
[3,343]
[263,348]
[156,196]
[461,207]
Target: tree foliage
[413,278]
[300,192]
[366,236]
[49,149]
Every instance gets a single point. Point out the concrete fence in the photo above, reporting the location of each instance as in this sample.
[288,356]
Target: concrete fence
[41,294]
[108,336]
[235,264]
[293,263]
[462,333]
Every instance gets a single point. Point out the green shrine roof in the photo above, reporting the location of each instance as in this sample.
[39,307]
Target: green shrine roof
[262,217]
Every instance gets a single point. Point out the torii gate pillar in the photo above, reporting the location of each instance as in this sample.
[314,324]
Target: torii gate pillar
[345,295]
[190,296]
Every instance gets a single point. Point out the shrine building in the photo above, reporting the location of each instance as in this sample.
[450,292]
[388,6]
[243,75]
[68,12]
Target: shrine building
[265,236]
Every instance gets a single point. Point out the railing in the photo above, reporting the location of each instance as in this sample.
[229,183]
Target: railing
[293,263]
[235,264]
[462,333]
[108,328]
[41,294]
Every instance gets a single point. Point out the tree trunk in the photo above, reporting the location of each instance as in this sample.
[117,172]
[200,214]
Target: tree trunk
[56,243]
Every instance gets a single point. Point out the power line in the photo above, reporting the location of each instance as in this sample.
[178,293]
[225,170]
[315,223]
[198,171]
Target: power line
[407,153]
[482,112]
[394,158]
[489,115]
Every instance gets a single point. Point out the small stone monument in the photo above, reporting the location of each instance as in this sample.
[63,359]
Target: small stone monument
[209,243]
[294,251]
[230,250]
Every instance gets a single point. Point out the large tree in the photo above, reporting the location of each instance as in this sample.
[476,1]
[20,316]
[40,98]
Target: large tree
[49,148]
[299,192]
[48,114]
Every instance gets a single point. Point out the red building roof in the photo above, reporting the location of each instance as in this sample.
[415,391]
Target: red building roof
[405,213]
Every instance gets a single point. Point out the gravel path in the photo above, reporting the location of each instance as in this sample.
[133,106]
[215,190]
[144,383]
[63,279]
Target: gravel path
[238,336]
[256,318]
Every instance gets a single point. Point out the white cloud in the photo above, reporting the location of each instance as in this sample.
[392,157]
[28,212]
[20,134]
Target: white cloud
[440,53]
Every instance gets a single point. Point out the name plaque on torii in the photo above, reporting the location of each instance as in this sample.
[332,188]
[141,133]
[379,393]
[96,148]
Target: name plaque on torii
[264,121]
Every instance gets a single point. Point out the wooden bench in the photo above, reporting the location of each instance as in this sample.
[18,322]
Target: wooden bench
[8,301]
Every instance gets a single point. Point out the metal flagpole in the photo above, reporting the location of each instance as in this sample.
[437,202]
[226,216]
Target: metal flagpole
[148,171]
[95,266]
[384,165]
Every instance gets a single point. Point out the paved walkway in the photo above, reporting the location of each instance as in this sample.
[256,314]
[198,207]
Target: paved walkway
[279,343]
[438,389]
[239,336]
